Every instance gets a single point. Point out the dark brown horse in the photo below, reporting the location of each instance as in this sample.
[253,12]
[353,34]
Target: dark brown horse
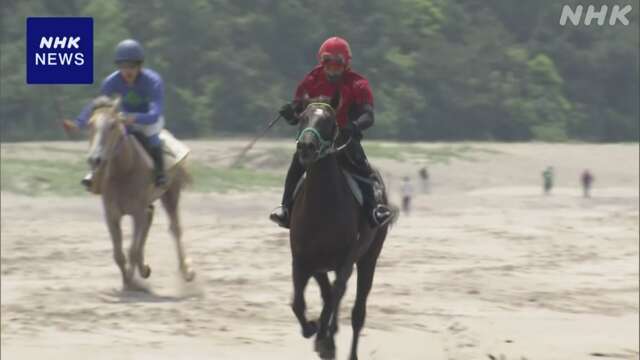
[329,231]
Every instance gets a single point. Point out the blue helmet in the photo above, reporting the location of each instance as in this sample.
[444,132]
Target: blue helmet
[129,50]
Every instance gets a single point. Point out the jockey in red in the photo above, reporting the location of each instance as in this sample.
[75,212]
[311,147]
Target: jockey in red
[354,115]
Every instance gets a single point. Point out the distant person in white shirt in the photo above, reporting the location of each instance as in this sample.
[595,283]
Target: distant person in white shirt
[407,193]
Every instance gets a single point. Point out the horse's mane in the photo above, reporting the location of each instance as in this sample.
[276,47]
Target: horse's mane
[102,101]
[319,100]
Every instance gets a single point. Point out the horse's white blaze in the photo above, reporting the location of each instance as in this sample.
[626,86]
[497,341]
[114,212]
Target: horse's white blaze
[95,148]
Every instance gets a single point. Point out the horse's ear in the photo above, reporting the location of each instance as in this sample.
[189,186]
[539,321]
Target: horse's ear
[115,107]
[335,100]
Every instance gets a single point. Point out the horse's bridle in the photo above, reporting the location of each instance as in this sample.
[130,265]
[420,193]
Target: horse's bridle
[327,147]
[111,150]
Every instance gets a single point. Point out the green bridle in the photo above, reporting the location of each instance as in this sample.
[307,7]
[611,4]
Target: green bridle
[326,146]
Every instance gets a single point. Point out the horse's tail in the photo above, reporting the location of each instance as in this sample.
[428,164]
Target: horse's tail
[183,175]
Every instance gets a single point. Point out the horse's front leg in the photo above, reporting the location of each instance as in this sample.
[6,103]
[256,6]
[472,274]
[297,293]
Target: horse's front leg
[300,281]
[325,291]
[113,224]
[325,345]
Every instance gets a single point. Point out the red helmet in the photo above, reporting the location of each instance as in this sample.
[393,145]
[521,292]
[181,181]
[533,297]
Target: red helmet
[335,50]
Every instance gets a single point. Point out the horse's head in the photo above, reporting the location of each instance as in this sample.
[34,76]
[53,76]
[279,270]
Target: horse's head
[318,129]
[106,130]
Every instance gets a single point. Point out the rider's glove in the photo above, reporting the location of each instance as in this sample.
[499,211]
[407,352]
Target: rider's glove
[288,113]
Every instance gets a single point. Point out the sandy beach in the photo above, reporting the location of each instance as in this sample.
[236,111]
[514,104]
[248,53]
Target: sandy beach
[484,266]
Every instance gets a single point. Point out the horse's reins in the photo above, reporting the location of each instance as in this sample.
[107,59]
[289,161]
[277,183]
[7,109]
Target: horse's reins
[327,147]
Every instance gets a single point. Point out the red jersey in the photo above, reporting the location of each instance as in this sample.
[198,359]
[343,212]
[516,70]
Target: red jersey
[354,91]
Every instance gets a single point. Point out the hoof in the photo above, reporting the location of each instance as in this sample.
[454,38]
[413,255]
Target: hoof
[326,348]
[145,271]
[310,329]
[128,276]
[188,274]
[334,327]
[134,286]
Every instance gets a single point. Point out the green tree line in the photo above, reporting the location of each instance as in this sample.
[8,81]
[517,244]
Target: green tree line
[440,70]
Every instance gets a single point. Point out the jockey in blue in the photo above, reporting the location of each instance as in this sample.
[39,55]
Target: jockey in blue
[142,102]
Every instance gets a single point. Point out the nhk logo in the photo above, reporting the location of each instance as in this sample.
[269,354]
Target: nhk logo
[55,58]
[59,50]
[618,14]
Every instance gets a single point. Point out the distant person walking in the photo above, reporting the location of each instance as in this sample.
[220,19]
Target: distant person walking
[407,193]
[547,177]
[424,177]
[587,180]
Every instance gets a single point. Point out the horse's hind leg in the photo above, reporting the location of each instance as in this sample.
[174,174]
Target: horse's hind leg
[365,279]
[139,224]
[170,202]
[300,281]
[113,223]
[147,220]
[366,270]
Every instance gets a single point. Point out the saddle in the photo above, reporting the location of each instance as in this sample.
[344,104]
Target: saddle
[355,183]
[351,181]
[175,152]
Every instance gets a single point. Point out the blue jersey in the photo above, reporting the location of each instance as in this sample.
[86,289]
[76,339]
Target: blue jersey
[144,100]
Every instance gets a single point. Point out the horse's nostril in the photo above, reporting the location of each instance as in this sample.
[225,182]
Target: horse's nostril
[94,161]
[308,147]
[302,146]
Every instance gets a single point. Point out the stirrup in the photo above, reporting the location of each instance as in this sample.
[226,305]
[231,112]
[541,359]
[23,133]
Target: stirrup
[381,215]
[280,216]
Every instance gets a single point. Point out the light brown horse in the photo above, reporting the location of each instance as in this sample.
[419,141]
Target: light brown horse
[127,188]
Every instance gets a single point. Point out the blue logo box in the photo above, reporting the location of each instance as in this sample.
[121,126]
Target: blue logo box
[59,50]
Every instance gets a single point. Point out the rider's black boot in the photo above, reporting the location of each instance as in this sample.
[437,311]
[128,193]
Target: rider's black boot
[281,214]
[160,178]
